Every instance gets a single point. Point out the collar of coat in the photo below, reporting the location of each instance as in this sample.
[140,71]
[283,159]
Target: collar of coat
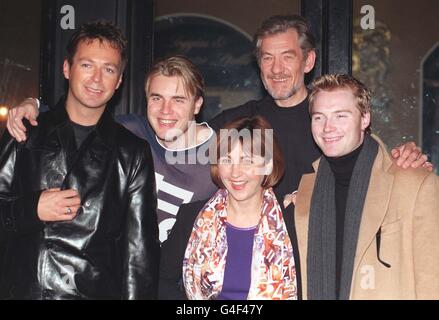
[57,120]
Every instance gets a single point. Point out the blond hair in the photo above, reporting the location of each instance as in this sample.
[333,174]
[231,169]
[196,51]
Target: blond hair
[182,67]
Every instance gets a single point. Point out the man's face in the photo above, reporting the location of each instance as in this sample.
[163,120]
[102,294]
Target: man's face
[337,124]
[170,108]
[94,75]
[283,67]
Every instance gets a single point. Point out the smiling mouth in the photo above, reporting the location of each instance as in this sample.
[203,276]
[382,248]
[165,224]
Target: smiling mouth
[332,139]
[166,122]
[238,185]
[279,80]
[95,91]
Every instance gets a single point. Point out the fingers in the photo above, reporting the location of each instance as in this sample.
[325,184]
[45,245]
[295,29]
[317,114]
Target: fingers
[63,214]
[69,213]
[406,154]
[33,121]
[58,205]
[69,193]
[409,156]
[69,206]
[15,124]
[403,155]
[419,162]
[69,202]
[294,197]
[428,166]
[290,198]
[287,200]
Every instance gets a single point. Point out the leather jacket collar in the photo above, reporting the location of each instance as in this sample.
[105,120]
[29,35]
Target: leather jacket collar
[59,120]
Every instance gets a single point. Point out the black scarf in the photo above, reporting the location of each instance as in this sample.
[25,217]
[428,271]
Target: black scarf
[321,259]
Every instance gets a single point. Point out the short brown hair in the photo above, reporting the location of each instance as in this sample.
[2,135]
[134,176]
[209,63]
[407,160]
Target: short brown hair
[331,82]
[251,125]
[282,23]
[103,31]
[179,66]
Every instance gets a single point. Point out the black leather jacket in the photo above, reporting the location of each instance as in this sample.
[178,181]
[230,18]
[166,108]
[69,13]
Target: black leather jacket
[111,249]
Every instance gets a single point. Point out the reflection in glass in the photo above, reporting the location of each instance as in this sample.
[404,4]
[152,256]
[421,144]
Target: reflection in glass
[221,51]
[19,52]
[396,60]
[430,105]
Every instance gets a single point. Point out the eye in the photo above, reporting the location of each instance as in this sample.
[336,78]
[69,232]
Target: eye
[224,161]
[86,65]
[266,59]
[316,118]
[110,70]
[247,161]
[179,100]
[154,98]
[339,116]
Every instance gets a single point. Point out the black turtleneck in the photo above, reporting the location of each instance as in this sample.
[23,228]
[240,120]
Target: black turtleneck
[81,132]
[342,167]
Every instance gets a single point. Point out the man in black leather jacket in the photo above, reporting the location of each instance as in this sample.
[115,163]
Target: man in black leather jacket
[77,199]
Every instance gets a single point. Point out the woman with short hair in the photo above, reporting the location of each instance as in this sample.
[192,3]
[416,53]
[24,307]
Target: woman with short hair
[239,247]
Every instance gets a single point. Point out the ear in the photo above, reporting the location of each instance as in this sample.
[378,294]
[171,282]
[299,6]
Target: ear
[310,61]
[66,69]
[365,121]
[198,104]
[119,82]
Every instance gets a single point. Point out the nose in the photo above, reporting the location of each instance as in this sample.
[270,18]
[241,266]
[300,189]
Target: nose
[236,170]
[328,127]
[277,66]
[166,107]
[97,75]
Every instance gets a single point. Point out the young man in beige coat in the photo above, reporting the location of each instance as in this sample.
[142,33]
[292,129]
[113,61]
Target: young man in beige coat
[366,228]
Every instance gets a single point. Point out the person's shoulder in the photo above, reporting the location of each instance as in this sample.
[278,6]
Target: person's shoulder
[204,133]
[411,179]
[251,107]
[247,109]
[46,116]
[46,120]
[412,173]
[135,123]
[128,140]
[407,181]
[130,119]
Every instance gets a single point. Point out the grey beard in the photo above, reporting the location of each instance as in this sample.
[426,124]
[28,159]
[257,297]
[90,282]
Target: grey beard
[293,91]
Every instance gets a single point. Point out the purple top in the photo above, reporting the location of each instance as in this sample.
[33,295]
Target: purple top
[237,273]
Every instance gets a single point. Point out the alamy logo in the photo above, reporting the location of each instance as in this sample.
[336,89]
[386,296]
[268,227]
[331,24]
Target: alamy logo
[368,20]
[253,142]
[368,277]
[68,20]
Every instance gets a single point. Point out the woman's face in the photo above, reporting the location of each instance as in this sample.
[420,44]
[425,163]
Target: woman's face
[242,174]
